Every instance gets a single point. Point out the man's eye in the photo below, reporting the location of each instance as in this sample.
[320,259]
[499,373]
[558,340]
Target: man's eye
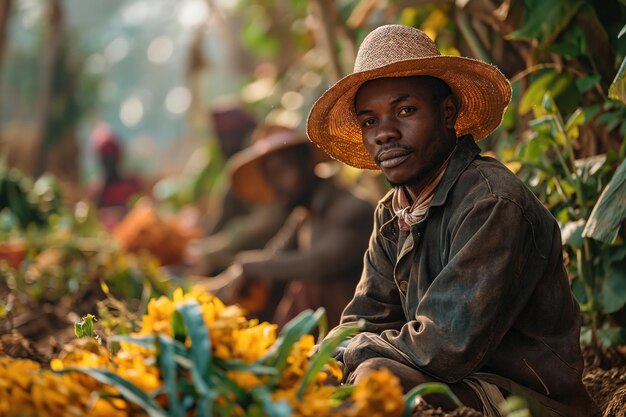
[407,110]
[367,123]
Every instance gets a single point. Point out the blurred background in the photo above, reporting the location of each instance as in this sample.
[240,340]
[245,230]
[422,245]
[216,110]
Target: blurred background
[141,80]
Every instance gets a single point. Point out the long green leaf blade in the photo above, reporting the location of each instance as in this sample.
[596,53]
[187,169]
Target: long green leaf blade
[325,352]
[168,368]
[609,212]
[127,389]
[201,355]
[425,389]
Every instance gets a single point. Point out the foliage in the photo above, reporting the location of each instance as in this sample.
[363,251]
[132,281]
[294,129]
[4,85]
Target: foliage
[27,202]
[196,356]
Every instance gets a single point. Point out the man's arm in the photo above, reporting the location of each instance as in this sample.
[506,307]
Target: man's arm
[376,300]
[493,266]
[336,251]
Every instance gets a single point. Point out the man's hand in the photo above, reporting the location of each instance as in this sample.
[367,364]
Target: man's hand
[226,285]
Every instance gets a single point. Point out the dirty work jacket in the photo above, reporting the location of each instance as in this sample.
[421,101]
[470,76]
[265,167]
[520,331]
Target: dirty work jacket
[318,253]
[483,289]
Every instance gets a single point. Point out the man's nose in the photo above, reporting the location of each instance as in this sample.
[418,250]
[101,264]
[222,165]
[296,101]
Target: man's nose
[386,133]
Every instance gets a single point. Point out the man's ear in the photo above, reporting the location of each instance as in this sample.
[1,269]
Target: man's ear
[449,110]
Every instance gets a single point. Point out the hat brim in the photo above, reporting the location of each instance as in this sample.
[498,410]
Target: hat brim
[483,92]
[246,171]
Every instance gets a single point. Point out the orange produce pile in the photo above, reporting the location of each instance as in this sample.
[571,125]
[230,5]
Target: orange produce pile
[144,230]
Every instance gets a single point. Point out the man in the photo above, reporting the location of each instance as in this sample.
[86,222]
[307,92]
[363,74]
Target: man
[234,225]
[317,256]
[113,193]
[463,281]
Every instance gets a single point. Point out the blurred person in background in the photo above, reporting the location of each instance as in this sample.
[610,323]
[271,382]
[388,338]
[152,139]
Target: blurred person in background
[113,193]
[232,224]
[316,258]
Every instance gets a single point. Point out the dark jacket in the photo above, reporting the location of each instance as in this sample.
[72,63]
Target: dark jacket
[319,253]
[483,290]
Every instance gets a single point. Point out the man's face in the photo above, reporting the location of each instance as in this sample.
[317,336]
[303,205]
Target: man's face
[285,172]
[406,133]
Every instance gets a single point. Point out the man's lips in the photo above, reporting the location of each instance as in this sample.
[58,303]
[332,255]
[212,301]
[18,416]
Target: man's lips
[389,158]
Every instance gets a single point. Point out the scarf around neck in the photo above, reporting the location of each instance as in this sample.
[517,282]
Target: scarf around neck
[411,213]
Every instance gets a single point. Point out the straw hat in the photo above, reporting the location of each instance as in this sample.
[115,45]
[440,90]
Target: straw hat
[246,171]
[402,51]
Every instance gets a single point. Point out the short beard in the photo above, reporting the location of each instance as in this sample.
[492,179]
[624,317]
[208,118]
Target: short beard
[411,181]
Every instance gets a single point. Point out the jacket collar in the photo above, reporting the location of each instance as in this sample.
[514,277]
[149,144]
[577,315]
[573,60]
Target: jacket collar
[464,153]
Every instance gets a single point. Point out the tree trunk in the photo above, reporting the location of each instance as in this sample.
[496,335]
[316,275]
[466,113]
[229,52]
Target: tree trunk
[324,14]
[5,11]
[53,36]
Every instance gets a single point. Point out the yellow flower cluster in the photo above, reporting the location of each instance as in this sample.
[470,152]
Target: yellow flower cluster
[232,335]
[378,394]
[26,390]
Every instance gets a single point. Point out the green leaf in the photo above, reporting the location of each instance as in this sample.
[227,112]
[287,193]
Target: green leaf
[201,355]
[325,352]
[300,325]
[241,366]
[426,389]
[613,291]
[555,84]
[85,327]
[272,409]
[610,210]
[573,123]
[617,90]
[201,350]
[168,368]
[544,20]
[621,32]
[178,326]
[587,83]
[127,389]
[571,233]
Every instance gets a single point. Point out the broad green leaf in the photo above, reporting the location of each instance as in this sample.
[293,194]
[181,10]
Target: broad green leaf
[128,390]
[544,20]
[613,291]
[169,373]
[426,389]
[617,90]
[324,353]
[610,210]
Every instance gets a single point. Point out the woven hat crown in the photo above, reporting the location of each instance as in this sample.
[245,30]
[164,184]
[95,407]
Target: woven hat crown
[393,43]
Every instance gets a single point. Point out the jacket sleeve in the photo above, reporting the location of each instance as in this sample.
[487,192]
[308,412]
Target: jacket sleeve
[492,268]
[376,300]
[337,251]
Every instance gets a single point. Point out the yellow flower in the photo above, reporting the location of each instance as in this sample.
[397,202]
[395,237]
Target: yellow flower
[316,401]
[297,361]
[378,394]
[16,378]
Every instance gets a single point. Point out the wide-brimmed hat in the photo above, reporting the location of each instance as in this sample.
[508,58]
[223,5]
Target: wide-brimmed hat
[246,172]
[403,51]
